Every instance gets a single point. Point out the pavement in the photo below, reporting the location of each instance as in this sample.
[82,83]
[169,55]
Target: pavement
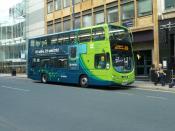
[137,84]
[150,85]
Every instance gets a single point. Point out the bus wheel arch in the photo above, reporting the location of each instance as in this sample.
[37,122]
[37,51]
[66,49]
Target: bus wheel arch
[83,81]
[44,78]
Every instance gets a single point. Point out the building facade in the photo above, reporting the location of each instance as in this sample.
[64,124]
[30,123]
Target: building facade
[12,41]
[167,34]
[34,18]
[63,15]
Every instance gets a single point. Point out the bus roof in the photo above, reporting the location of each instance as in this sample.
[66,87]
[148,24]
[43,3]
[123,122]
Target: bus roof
[84,28]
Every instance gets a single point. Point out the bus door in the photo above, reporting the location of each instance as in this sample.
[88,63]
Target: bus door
[61,68]
[73,60]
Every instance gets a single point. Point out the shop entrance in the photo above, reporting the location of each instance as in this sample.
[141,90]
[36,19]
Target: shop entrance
[143,62]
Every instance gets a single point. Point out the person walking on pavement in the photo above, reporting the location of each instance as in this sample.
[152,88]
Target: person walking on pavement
[161,76]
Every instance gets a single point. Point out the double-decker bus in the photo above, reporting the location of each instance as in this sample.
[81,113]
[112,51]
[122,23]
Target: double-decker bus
[97,55]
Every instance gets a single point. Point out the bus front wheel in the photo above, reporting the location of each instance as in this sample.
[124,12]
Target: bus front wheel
[84,81]
[44,78]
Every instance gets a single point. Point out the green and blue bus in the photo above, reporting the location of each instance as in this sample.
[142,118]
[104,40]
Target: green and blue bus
[97,55]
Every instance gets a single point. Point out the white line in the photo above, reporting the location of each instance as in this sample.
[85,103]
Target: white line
[156,97]
[13,88]
[124,93]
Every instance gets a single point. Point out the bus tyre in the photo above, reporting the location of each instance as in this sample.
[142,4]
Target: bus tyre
[84,81]
[44,78]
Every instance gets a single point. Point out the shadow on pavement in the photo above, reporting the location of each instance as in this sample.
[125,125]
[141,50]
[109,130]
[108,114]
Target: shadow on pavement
[106,88]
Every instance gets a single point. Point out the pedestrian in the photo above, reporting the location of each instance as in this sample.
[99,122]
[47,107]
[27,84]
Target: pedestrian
[161,76]
[102,63]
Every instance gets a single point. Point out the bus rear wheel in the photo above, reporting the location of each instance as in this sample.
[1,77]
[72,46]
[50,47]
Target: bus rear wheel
[44,78]
[84,81]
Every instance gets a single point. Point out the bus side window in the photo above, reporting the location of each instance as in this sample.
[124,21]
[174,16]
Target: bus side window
[45,63]
[32,43]
[84,35]
[73,52]
[43,42]
[37,43]
[59,39]
[62,63]
[35,62]
[98,34]
[66,39]
[72,37]
[54,40]
[49,40]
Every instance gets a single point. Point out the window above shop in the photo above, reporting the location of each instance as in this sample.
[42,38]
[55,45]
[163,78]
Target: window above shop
[127,11]
[169,4]
[66,3]
[50,7]
[147,10]
[58,4]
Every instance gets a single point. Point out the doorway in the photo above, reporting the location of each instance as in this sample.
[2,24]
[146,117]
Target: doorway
[143,62]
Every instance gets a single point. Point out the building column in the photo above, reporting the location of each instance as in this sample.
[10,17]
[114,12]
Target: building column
[156,33]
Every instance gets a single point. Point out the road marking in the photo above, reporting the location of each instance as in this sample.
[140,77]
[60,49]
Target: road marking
[124,93]
[13,88]
[155,90]
[157,97]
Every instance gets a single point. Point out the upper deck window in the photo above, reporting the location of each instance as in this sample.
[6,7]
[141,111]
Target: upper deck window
[84,35]
[98,34]
[118,33]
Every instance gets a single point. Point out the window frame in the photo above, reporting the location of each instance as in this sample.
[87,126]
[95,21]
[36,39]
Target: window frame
[106,59]
[98,29]
[145,13]
[122,11]
[86,31]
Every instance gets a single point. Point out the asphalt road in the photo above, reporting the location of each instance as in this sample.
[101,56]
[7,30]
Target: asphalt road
[26,105]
